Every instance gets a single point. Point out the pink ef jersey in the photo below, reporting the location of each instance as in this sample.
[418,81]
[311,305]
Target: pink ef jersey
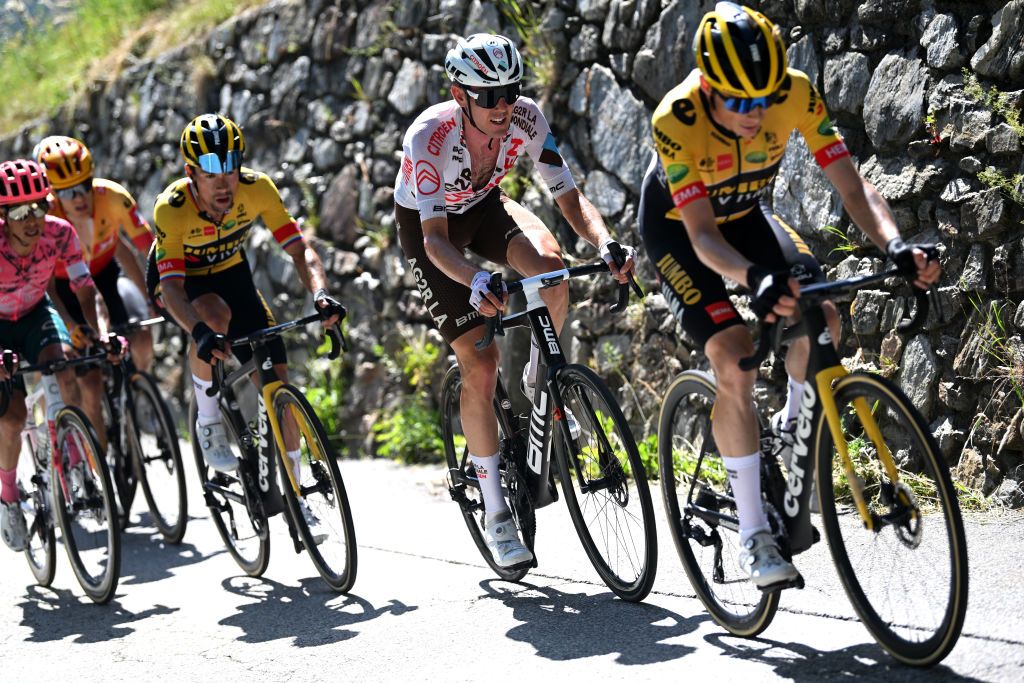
[436,173]
[23,279]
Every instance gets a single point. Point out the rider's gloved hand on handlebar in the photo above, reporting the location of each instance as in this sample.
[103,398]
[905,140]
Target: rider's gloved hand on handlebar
[620,273]
[210,346]
[82,336]
[775,294]
[913,262]
[483,299]
[329,308]
[116,347]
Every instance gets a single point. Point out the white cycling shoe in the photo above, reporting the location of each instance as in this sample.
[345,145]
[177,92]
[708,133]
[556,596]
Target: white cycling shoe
[316,528]
[502,540]
[213,442]
[761,562]
[528,391]
[12,526]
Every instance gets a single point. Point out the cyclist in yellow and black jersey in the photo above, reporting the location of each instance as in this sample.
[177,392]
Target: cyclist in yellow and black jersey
[720,136]
[201,223]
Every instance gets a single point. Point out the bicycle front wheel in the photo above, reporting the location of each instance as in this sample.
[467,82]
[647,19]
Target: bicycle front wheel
[605,485]
[316,493]
[86,508]
[233,503]
[701,510]
[903,557]
[158,457]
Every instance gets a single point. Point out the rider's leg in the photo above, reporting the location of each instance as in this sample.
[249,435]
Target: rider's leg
[90,386]
[215,313]
[479,371]
[141,345]
[796,362]
[11,424]
[735,426]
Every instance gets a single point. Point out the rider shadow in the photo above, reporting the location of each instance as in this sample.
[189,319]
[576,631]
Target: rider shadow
[307,613]
[56,613]
[563,626]
[800,662]
[145,557]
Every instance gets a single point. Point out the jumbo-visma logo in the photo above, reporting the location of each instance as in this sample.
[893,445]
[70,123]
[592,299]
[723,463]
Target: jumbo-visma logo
[428,180]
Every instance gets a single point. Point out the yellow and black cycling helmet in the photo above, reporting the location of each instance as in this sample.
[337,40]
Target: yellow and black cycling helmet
[740,51]
[213,143]
[67,161]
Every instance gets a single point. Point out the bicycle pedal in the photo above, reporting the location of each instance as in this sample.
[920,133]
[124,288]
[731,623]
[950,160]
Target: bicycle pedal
[798,582]
[815,535]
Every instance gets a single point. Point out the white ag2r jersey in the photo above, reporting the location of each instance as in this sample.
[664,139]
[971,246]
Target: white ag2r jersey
[436,174]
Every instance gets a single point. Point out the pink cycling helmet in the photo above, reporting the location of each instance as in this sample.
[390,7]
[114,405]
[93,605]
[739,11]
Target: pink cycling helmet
[22,181]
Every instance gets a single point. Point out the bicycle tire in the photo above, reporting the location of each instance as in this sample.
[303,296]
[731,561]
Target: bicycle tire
[684,431]
[251,552]
[323,491]
[95,512]
[939,570]
[41,550]
[119,463]
[465,489]
[625,550]
[157,458]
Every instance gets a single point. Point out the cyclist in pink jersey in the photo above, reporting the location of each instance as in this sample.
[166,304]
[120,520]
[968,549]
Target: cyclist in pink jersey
[31,243]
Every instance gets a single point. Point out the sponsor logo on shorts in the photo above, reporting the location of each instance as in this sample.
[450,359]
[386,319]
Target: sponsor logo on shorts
[720,311]
[673,275]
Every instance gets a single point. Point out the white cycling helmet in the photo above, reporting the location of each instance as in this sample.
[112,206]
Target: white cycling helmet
[484,60]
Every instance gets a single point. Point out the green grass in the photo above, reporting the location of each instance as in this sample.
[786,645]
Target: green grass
[49,66]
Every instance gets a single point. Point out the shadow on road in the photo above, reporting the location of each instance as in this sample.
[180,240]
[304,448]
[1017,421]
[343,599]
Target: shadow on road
[799,662]
[145,557]
[55,614]
[310,613]
[563,626]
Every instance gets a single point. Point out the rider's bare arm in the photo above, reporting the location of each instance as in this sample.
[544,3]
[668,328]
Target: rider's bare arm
[308,265]
[177,302]
[94,309]
[125,256]
[583,216]
[709,243]
[453,262]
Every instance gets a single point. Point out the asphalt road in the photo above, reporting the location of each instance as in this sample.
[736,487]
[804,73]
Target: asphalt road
[426,607]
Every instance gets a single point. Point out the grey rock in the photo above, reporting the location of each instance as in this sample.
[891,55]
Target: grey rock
[991,212]
[326,155]
[612,352]
[803,196]
[1002,57]
[618,122]
[894,178]
[1003,140]
[803,55]
[970,164]
[606,193]
[626,22]
[975,272]
[622,65]
[666,56]
[410,88]
[338,216]
[970,126]
[1008,269]
[433,48]
[584,45]
[288,82]
[894,104]
[950,439]
[354,122]
[847,77]
[483,18]
[1010,493]
[957,190]
[919,373]
[410,14]
[866,312]
[592,10]
[940,42]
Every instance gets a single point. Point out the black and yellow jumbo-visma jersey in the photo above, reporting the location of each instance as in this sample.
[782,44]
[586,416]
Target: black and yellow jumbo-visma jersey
[188,242]
[700,158]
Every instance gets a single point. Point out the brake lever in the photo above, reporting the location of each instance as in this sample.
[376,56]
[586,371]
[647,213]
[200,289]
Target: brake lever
[493,325]
[771,337]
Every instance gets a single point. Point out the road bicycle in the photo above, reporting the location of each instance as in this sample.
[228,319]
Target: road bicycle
[241,502]
[63,477]
[602,476]
[142,444]
[888,506]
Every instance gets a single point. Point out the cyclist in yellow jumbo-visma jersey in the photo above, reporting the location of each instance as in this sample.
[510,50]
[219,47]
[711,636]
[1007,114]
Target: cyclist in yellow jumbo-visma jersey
[720,136]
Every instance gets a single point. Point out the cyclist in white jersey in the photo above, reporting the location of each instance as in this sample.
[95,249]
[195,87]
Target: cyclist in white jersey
[448,199]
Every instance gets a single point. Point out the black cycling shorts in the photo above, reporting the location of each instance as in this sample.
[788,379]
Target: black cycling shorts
[695,293]
[486,229]
[249,310]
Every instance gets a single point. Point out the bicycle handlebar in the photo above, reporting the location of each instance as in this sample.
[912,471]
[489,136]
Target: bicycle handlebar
[334,333]
[494,324]
[771,333]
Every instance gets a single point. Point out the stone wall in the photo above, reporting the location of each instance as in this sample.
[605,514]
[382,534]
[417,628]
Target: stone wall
[325,89]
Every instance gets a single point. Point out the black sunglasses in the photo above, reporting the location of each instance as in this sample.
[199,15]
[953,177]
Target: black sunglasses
[488,97]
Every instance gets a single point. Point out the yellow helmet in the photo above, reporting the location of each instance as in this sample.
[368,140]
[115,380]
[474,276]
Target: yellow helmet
[67,161]
[213,143]
[740,51]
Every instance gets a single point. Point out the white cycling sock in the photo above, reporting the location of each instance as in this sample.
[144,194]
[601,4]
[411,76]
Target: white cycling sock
[490,484]
[793,396]
[745,479]
[296,458]
[206,405]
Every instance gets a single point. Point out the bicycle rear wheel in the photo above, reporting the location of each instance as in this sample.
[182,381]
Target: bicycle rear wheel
[122,474]
[906,576]
[464,486]
[605,486]
[701,510]
[321,489]
[158,457]
[36,503]
[86,509]
[234,506]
